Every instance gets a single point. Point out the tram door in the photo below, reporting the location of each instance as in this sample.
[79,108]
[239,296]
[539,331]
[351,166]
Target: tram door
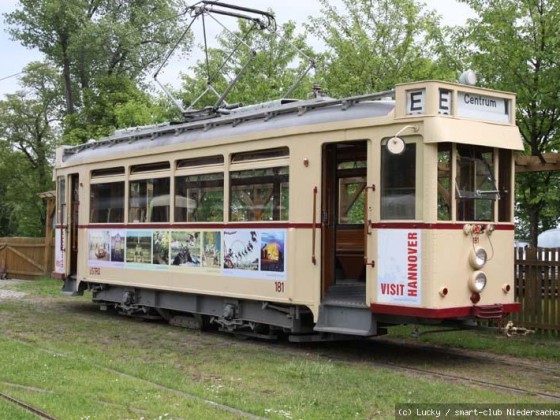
[343,214]
[72,244]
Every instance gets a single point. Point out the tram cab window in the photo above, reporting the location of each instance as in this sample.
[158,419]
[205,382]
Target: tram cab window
[444,181]
[259,194]
[475,184]
[199,198]
[505,177]
[149,200]
[398,183]
[61,201]
[107,202]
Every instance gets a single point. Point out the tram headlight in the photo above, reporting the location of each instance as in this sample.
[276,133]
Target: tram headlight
[478,258]
[477,282]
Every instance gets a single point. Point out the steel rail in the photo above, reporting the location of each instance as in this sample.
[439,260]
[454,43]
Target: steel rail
[27,407]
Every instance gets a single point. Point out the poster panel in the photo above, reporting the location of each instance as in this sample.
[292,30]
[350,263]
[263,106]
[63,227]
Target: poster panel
[399,272]
[160,248]
[258,254]
[185,250]
[138,248]
[106,248]
[59,251]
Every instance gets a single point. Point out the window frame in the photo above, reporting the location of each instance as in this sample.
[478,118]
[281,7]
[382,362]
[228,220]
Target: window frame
[258,164]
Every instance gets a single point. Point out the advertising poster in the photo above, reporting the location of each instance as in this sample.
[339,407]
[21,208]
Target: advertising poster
[255,254]
[99,247]
[399,271]
[59,252]
[118,239]
[160,247]
[272,251]
[138,247]
[241,250]
[106,248]
[212,250]
[185,249]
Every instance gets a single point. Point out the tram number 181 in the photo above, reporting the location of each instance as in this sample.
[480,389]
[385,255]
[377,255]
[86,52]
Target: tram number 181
[279,286]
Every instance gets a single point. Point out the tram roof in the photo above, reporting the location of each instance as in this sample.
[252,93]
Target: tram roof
[237,122]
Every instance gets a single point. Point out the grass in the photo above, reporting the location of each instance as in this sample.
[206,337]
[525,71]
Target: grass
[64,356]
[532,346]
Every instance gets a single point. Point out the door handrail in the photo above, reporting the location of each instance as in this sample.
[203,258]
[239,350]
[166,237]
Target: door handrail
[314,235]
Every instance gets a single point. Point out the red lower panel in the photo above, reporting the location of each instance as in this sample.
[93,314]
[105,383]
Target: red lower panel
[59,276]
[445,313]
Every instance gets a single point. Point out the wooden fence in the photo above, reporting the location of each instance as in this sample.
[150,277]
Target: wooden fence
[537,281]
[26,258]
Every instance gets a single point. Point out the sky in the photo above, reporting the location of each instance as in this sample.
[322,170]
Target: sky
[15,56]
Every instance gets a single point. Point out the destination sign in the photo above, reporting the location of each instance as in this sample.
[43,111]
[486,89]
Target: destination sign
[482,107]
[469,105]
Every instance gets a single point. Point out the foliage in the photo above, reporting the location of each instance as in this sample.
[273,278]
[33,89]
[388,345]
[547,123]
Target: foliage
[541,191]
[273,66]
[28,133]
[91,39]
[115,102]
[514,46]
[374,44]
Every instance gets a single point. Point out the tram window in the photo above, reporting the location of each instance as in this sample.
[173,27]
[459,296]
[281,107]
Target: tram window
[61,200]
[505,186]
[150,167]
[398,184]
[199,198]
[107,202]
[259,194]
[475,184]
[149,200]
[444,181]
[200,161]
[281,152]
[99,173]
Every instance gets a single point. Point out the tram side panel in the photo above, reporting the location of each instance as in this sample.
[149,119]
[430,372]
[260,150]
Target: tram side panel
[264,264]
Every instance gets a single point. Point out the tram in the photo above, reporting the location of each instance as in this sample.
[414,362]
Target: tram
[316,219]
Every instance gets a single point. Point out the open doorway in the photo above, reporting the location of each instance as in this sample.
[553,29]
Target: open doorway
[343,214]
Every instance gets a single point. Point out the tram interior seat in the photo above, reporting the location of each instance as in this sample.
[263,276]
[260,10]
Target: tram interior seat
[158,210]
[350,253]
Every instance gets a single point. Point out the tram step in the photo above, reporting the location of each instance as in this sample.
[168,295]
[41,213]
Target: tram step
[351,320]
[70,287]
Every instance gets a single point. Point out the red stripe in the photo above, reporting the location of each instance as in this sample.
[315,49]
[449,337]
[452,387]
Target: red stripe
[253,225]
[435,226]
[458,312]
[280,225]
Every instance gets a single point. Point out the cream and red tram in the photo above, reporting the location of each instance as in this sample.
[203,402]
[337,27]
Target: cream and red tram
[316,218]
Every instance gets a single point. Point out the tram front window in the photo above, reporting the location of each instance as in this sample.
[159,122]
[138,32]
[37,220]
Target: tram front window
[475,183]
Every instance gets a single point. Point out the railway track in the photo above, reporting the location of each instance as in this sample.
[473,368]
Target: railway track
[39,413]
[386,352]
[223,407]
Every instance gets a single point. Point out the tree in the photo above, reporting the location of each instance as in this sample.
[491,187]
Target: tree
[374,44]
[514,46]
[275,66]
[115,102]
[28,132]
[97,42]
